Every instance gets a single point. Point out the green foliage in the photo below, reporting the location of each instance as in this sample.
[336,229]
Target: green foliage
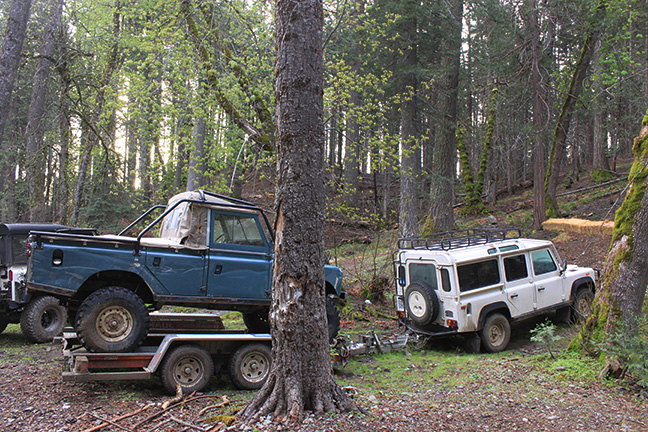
[601,176]
[629,344]
[545,335]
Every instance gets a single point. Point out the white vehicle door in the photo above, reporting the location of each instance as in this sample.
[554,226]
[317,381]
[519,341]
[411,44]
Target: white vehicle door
[519,288]
[547,278]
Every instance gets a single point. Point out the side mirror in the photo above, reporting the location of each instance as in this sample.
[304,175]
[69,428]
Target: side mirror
[563,266]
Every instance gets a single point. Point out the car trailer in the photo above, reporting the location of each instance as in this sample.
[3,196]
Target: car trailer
[184,350]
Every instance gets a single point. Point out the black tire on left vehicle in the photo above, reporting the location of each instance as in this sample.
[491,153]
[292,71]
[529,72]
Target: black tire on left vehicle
[4,321]
[582,306]
[112,319]
[42,319]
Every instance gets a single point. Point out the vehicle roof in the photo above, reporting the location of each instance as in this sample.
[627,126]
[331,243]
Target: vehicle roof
[476,252]
[25,228]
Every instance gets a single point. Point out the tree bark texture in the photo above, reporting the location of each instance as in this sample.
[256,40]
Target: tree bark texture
[623,286]
[557,152]
[441,216]
[301,378]
[10,56]
[533,31]
[411,160]
[34,132]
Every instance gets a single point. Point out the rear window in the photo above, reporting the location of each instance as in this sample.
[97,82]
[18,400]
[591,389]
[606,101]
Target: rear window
[478,275]
[423,272]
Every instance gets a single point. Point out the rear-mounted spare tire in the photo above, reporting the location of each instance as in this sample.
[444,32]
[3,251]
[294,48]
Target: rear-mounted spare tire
[422,303]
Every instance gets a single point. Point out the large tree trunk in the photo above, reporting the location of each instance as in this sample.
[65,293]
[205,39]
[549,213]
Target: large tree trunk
[301,377]
[599,141]
[10,56]
[533,30]
[625,277]
[557,153]
[196,167]
[411,161]
[34,134]
[441,217]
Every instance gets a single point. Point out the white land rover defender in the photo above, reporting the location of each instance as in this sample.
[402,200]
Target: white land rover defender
[479,281]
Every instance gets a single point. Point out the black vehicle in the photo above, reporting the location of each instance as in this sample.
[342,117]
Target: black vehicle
[40,317]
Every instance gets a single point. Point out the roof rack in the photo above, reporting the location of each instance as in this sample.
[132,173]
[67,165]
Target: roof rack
[459,238]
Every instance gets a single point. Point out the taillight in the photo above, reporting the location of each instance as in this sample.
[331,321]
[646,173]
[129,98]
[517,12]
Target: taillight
[452,324]
[10,275]
[28,249]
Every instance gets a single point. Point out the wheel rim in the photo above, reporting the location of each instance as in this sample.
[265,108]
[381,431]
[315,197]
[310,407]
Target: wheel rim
[583,307]
[49,319]
[188,370]
[417,305]
[114,324]
[255,367]
[496,334]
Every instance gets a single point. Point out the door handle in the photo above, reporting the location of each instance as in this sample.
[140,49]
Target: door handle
[157,261]
[514,296]
[541,288]
[218,269]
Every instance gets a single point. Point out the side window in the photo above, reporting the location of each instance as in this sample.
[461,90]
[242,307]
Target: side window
[237,230]
[445,280]
[543,262]
[423,272]
[478,275]
[515,267]
[19,250]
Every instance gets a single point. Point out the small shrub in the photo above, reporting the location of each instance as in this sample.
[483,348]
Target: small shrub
[629,344]
[545,334]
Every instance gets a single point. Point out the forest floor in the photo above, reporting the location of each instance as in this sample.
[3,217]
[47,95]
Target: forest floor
[426,387]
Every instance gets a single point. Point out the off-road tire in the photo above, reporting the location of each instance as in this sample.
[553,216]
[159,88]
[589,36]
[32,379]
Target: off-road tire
[42,319]
[582,306]
[112,319]
[332,319]
[257,321]
[4,322]
[422,303]
[249,366]
[188,366]
[496,333]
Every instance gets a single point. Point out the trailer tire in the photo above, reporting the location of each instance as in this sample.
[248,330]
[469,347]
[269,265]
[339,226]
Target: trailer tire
[249,366]
[43,319]
[188,366]
[112,319]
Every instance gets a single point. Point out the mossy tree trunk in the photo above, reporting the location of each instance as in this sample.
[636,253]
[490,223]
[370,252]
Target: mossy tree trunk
[557,152]
[625,277]
[475,188]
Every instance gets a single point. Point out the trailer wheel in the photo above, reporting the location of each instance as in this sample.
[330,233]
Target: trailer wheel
[188,366]
[249,366]
[257,321]
[112,319]
[42,319]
